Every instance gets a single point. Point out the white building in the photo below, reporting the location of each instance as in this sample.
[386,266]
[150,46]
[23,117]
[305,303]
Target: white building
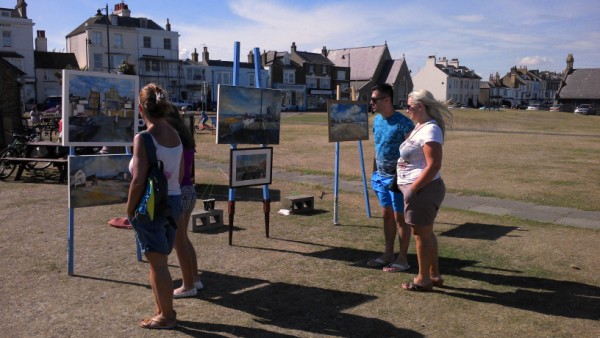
[152,51]
[17,46]
[448,81]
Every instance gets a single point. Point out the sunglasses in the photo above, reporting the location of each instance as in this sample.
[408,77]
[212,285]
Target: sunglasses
[375,99]
[411,106]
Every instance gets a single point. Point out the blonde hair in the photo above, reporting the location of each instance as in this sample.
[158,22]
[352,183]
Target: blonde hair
[437,110]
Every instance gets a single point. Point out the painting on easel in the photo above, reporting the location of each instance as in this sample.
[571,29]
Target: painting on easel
[348,121]
[248,115]
[250,166]
[99,109]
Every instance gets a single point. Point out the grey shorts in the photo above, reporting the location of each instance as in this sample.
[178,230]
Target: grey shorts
[421,208]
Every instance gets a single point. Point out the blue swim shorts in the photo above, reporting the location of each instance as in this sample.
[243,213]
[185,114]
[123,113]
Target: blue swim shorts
[387,198]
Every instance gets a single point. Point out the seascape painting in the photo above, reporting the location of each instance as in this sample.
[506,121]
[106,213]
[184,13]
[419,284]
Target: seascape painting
[99,109]
[248,115]
[348,121]
[250,166]
[98,180]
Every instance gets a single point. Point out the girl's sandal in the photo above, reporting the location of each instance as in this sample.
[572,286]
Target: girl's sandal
[411,286]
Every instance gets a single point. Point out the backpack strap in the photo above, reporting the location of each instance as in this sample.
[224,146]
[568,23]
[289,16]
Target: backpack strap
[150,147]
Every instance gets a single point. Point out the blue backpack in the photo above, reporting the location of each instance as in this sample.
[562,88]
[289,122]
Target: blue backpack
[154,204]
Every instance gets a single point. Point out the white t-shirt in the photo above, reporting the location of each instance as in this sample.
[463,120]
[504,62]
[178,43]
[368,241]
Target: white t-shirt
[412,158]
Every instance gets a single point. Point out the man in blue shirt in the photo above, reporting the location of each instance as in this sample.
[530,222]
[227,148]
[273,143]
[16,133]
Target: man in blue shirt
[390,129]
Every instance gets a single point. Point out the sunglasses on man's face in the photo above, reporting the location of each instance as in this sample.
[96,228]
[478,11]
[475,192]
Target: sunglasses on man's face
[375,99]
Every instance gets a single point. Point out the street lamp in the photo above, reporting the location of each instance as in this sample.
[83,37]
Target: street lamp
[99,13]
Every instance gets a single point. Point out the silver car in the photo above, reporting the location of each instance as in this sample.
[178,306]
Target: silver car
[585,109]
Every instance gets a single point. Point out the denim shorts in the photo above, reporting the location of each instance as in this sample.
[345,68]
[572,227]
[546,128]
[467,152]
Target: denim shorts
[159,234]
[387,198]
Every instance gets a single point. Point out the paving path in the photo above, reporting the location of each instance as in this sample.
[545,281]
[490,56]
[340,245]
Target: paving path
[487,205]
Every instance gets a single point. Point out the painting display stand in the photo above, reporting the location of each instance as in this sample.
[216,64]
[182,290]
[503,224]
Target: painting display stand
[336,177]
[266,195]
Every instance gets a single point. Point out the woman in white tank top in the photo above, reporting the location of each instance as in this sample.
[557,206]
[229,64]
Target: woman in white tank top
[156,238]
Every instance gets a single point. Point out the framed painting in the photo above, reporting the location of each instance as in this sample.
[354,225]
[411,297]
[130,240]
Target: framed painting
[250,166]
[99,109]
[347,121]
[247,115]
[98,180]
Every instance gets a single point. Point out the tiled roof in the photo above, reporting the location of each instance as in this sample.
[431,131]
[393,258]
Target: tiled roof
[314,58]
[363,60]
[52,60]
[10,55]
[581,84]
[390,71]
[123,21]
[9,65]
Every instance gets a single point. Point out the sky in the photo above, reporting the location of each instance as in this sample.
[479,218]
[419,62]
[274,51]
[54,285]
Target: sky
[486,36]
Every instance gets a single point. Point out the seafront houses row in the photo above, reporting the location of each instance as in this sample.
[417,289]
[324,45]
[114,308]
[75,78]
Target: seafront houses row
[137,45]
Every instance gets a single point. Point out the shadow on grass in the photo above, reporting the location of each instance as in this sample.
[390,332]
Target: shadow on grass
[221,193]
[489,232]
[293,307]
[542,295]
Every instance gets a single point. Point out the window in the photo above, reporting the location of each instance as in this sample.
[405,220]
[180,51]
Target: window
[97,61]
[325,69]
[5,14]
[341,75]
[118,41]
[116,59]
[311,82]
[223,78]
[167,43]
[147,42]
[289,77]
[6,41]
[324,83]
[311,69]
[152,65]
[97,38]
[251,78]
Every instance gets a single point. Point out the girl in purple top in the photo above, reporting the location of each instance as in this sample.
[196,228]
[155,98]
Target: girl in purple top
[186,254]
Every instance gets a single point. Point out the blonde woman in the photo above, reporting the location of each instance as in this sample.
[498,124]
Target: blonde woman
[420,181]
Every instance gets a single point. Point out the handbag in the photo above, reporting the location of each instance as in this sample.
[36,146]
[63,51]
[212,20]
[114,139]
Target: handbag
[394,184]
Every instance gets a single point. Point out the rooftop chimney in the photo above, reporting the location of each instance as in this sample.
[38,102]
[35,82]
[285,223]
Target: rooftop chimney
[122,10]
[41,43]
[205,54]
[168,25]
[250,57]
[293,47]
[324,51]
[21,7]
[195,55]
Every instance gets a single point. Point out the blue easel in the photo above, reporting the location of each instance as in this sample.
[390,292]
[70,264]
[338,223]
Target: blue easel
[266,196]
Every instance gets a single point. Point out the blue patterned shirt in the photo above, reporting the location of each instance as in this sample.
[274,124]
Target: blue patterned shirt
[388,134]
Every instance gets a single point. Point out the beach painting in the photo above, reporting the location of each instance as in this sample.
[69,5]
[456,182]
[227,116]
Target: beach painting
[247,115]
[98,180]
[250,166]
[348,121]
[99,109]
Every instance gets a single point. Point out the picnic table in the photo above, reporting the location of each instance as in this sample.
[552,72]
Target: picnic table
[45,154]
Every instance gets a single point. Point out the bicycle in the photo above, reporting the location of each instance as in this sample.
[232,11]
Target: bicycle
[18,149]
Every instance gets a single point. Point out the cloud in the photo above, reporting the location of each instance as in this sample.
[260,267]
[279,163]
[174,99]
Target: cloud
[534,61]
[470,18]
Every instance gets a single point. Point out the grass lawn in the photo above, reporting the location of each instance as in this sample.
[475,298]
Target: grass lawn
[504,277]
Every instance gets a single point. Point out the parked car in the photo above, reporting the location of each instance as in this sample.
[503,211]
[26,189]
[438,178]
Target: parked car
[182,104]
[537,106]
[557,107]
[585,109]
